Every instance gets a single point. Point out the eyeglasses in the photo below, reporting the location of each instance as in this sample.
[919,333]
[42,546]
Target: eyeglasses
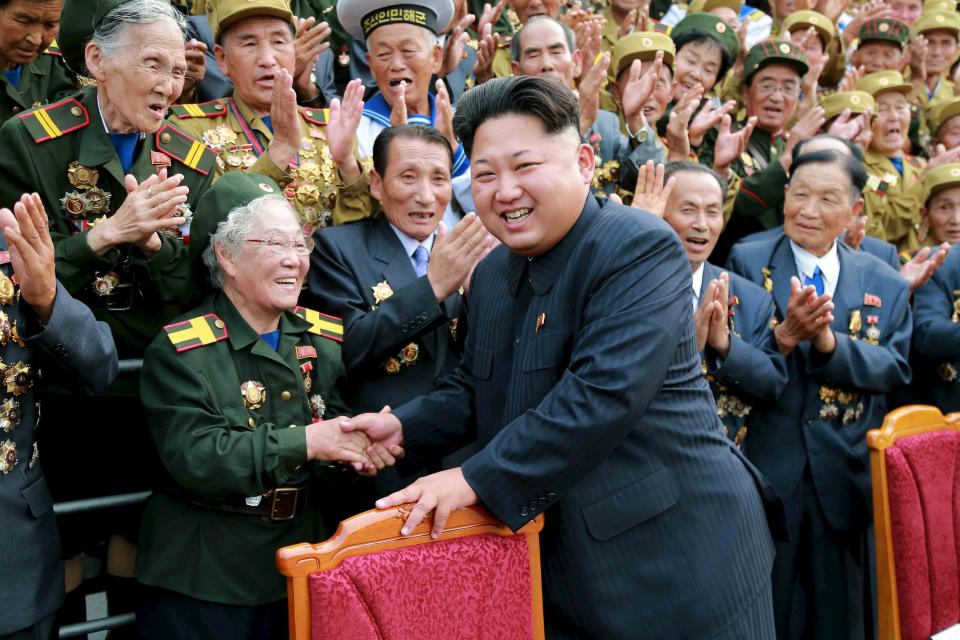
[884,109]
[278,244]
[768,87]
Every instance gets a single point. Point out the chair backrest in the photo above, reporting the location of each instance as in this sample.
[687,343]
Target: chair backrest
[915,469]
[479,580]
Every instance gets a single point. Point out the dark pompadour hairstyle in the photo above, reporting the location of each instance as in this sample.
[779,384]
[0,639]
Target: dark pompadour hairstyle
[850,166]
[543,98]
[677,167]
[381,146]
[695,36]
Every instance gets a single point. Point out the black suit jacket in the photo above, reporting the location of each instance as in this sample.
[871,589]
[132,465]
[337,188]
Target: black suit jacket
[347,264]
[654,527]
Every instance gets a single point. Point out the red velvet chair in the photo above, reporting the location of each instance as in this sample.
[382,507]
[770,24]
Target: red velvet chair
[915,468]
[478,581]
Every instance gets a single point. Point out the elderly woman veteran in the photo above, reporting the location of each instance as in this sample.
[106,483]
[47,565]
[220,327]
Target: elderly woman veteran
[240,396]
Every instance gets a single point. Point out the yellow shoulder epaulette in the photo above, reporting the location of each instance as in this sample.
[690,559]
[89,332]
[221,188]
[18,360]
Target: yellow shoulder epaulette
[185,148]
[54,120]
[196,332]
[211,109]
[316,116]
[322,324]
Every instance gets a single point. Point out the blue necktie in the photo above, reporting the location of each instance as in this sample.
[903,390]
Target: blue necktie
[421,259]
[816,280]
[267,120]
[125,144]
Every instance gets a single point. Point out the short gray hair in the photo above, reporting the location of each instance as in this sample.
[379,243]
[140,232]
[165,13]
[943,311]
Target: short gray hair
[109,34]
[233,232]
[516,45]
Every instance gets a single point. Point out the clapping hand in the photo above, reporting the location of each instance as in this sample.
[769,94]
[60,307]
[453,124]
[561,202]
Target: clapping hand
[923,265]
[31,253]
[341,130]
[651,194]
[808,316]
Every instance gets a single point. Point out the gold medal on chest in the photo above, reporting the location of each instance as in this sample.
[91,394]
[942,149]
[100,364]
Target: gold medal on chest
[254,394]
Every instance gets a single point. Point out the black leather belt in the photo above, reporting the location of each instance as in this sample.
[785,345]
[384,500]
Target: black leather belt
[277,505]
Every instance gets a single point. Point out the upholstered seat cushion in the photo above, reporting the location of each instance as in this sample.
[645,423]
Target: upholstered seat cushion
[475,587]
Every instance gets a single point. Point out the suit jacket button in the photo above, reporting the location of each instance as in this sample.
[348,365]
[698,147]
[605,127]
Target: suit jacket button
[252,423]
[551,495]
[523,512]
[542,499]
[285,395]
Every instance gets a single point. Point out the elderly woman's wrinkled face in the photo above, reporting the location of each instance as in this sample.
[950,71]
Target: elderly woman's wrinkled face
[265,274]
[942,217]
[136,88]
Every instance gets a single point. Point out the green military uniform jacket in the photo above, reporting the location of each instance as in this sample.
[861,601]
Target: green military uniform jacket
[44,80]
[893,201]
[312,185]
[63,152]
[219,448]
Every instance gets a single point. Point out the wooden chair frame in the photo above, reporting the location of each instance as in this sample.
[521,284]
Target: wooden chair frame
[379,530]
[903,422]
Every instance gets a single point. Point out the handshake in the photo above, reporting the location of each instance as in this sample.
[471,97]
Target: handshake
[369,441]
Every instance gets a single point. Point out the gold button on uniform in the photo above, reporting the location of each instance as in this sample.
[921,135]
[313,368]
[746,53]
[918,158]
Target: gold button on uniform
[285,395]
[165,137]
[252,423]
[218,323]
[76,111]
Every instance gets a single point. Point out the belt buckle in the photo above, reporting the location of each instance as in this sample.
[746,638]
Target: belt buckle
[282,507]
[121,299]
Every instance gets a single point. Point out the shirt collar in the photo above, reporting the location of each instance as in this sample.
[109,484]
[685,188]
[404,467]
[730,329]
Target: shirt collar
[697,282]
[410,244]
[807,263]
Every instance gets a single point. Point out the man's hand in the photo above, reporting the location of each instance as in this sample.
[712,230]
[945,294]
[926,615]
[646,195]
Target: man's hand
[805,128]
[637,91]
[589,38]
[856,232]
[149,207]
[866,12]
[807,315]
[851,77]
[718,336]
[327,441]
[487,46]
[398,112]
[651,194]
[678,125]
[589,96]
[916,58]
[444,492]
[286,121]
[309,42]
[341,130]
[939,157]
[453,46]
[703,315]
[625,28]
[490,15]
[833,9]
[730,144]
[444,119]
[923,265]
[454,255]
[707,118]
[195,54]
[31,253]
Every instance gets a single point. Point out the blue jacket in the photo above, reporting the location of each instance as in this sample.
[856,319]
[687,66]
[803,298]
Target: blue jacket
[936,336]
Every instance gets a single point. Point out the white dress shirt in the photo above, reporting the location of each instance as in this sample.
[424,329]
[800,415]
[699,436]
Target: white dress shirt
[829,264]
[697,284]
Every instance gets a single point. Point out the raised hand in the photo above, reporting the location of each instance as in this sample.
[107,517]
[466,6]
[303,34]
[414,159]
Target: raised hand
[489,16]
[31,253]
[626,27]
[941,156]
[678,134]
[589,41]
[589,94]
[454,45]
[651,194]
[846,125]
[440,493]
[709,116]
[638,89]
[851,77]
[866,12]
[310,40]
[486,50]
[195,54]
[444,119]
[916,58]
[805,128]
[807,316]
[398,112]
[455,254]
[833,9]
[856,232]
[923,265]
[703,314]
[286,121]
[341,130]
[148,208]
[730,144]
[718,336]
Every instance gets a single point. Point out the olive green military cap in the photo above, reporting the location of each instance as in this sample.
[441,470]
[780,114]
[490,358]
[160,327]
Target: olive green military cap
[857,101]
[711,26]
[233,189]
[78,20]
[223,13]
[936,21]
[946,176]
[883,81]
[806,19]
[642,46]
[886,30]
[938,115]
[771,52]
[703,6]
[940,5]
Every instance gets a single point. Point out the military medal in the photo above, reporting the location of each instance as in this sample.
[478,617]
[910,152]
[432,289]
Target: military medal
[105,284]
[34,457]
[17,378]
[4,329]
[307,149]
[8,456]
[453,328]
[7,290]
[75,204]
[391,366]
[541,320]
[317,406]
[947,372]
[183,210]
[767,281]
[308,194]
[15,335]
[9,415]
[855,324]
[343,58]
[381,291]
[956,306]
[410,354]
[254,394]
[81,177]
[306,368]
[873,331]
[98,200]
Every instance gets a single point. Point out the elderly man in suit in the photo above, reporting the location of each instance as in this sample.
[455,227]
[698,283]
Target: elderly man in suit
[844,325]
[581,382]
[396,280]
[40,325]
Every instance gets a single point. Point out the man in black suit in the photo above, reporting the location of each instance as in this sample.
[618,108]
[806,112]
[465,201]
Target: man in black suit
[581,381]
[396,282]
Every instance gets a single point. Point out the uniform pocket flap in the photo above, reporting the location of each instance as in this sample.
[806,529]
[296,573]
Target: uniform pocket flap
[548,350]
[632,505]
[37,497]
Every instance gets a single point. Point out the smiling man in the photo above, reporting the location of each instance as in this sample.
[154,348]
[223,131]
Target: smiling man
[581,382]
[33,70]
